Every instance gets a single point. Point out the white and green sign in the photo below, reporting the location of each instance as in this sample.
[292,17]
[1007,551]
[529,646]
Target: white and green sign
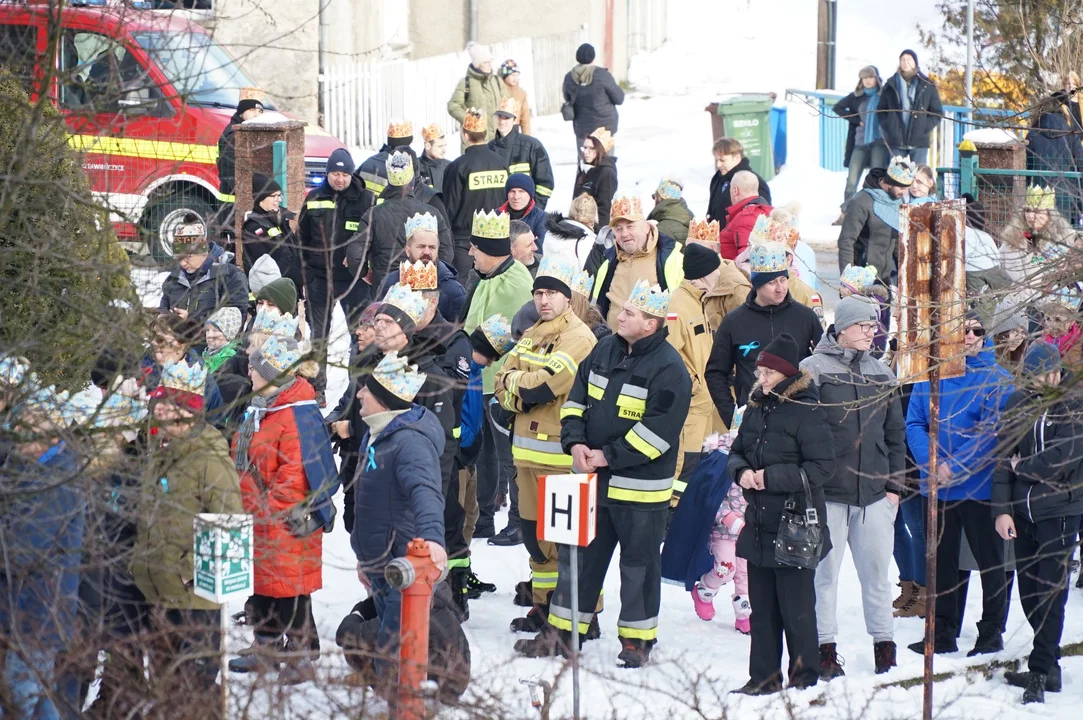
[223,556]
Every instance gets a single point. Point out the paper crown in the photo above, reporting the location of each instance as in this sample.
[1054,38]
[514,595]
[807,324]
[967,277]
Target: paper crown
[669,189]
[400,168]
[583,283]
[1041,198]
[53,405]
[432,132]
[475,122]
[184,377]
[118,411]
[768,257]
[768,230]
[419,275]
[413,304]
[269,321]
[738,418]
[626,207]
[398,377]
[652,300]
[508,105]
[901,170]
[1065,297]
[491,225]
[13,370]
[703,232]
[421,221]
[399,129]
[557,268]
[277,353]
[858,280]
[497,330]
[604,137]
[252,93]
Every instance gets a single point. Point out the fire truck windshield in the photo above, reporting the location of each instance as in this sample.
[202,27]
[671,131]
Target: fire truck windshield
[201,71]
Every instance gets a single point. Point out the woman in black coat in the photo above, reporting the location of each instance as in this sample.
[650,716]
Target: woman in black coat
[593,93]
[784,432]
[599,178]
[267,231]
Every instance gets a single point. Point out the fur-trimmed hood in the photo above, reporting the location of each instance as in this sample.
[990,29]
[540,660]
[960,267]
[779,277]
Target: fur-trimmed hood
[792,389]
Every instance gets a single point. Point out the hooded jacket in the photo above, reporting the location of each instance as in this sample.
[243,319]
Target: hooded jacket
[719,202]
[673,218]
[269,233]
[970,410]
[741,218]
[217,284]
[731,369]
[568,240]
[397,489]
[782,434]
[594,94]
[858,394]
[431,171]
[525,154]
[865,239]
[477,90]
[669,270]
[503,291]
[729,293]
[1048,481]
[452,293]
[600,182]
[328,223]
[926,112]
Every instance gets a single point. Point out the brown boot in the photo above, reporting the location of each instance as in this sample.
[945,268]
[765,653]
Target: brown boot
[915,607]
[905,594]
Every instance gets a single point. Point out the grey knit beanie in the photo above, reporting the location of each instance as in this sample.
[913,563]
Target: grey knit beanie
[855,309]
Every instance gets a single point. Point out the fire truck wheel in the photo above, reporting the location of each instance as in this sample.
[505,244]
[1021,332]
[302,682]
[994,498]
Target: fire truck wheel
[162,218]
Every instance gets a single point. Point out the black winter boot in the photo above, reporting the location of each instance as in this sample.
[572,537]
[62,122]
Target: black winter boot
[550,642]
[524,594]
[460,592]
[987,644]
[830,662]
[635,653]
[1020,679]
[756,689]
[1035,692]
[477,585]
[883,654]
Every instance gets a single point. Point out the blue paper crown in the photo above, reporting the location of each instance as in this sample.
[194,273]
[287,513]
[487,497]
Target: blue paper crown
[653,301]
[182,376]
[583,283]
[13,370]
[281,353]
[902,170]
[421,221]
[53,405]
[858,280]
[119,411]
[497,330]
[398,377]
[558,269]
[270,321]
[406,299]
[768,257]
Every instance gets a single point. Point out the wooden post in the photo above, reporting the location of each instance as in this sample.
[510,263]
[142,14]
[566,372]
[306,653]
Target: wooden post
[821,44]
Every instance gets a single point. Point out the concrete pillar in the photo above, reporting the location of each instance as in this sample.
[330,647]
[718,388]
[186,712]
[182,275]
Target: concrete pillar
[1001,196]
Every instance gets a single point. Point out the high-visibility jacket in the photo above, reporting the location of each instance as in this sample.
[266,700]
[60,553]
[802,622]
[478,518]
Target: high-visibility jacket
[534,383]
[631,403]
[669,263]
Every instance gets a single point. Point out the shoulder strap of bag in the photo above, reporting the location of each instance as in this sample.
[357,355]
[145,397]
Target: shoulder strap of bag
[811,515]
[466,90]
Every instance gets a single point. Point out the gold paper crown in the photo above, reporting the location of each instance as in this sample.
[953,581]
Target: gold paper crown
[767,230]
[558,269]
[419,275]
[421,221]
[270,321]
[650,300]
[626,207]
[491,225]
[400,168]
[281,353]
[432,132]
[398,377]
[182,376]
[1041,198]
[497,330]
[413,304]
[251,93]
[508,105]
[605,138]
[583,283]
[398,129]
[475,121]
[703,232]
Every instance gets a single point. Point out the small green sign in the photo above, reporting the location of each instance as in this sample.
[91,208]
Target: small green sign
[223,556]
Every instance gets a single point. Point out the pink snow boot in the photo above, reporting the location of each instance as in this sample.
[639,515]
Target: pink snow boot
[703,600]
[742,612]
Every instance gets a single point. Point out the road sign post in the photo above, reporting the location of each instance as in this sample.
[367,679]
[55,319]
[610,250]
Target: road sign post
[568,515]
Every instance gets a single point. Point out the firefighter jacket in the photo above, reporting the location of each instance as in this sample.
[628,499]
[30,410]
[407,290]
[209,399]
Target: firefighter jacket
[631,403]
[534,383]
[669,270]
[473,181]
[690,335]
[525,154]
[328,222]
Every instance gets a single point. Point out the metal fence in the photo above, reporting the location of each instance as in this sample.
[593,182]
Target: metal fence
[363,96]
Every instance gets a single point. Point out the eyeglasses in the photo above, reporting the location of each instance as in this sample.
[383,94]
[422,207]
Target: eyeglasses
[587,148]
[868,327]
[382,321]
[976,331]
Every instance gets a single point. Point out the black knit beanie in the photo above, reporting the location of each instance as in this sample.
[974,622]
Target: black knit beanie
[699,261]
[585,54]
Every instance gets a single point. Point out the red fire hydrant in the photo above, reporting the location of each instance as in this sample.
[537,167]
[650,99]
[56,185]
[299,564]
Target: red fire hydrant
[415,576]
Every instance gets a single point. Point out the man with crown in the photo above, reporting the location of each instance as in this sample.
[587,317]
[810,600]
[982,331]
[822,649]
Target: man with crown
[374,171]
[623,421]
[504,286]
[523,153]
[473,183]
[423,246]
[533,385]
[433,161]
[768,311]
[778,227]
[385,231]
[731,286]
[189,471]
[639,252]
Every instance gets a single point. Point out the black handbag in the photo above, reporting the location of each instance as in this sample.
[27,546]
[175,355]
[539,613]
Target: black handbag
[800,538]
[567,110]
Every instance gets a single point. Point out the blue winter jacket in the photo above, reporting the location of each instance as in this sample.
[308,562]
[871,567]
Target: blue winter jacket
[452,292]
[686,555]
[397,490]
[42,525]
[970,408]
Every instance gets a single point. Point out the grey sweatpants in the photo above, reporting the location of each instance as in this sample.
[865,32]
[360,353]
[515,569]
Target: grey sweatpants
[870,533]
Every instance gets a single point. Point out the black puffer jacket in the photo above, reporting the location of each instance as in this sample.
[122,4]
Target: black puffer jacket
[782,433]
[269,233]
[926,111]
[1048,437]
[328,223]
[600,182]
[718,204]
[859,397]
[595,95]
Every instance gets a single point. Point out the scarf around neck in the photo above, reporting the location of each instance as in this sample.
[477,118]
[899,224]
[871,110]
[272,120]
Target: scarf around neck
[885,207]
[257,408]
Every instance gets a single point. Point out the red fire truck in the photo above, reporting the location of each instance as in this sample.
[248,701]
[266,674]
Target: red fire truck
[145,94]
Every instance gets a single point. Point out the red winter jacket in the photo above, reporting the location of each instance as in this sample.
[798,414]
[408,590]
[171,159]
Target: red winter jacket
[286,566]
[741,219]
